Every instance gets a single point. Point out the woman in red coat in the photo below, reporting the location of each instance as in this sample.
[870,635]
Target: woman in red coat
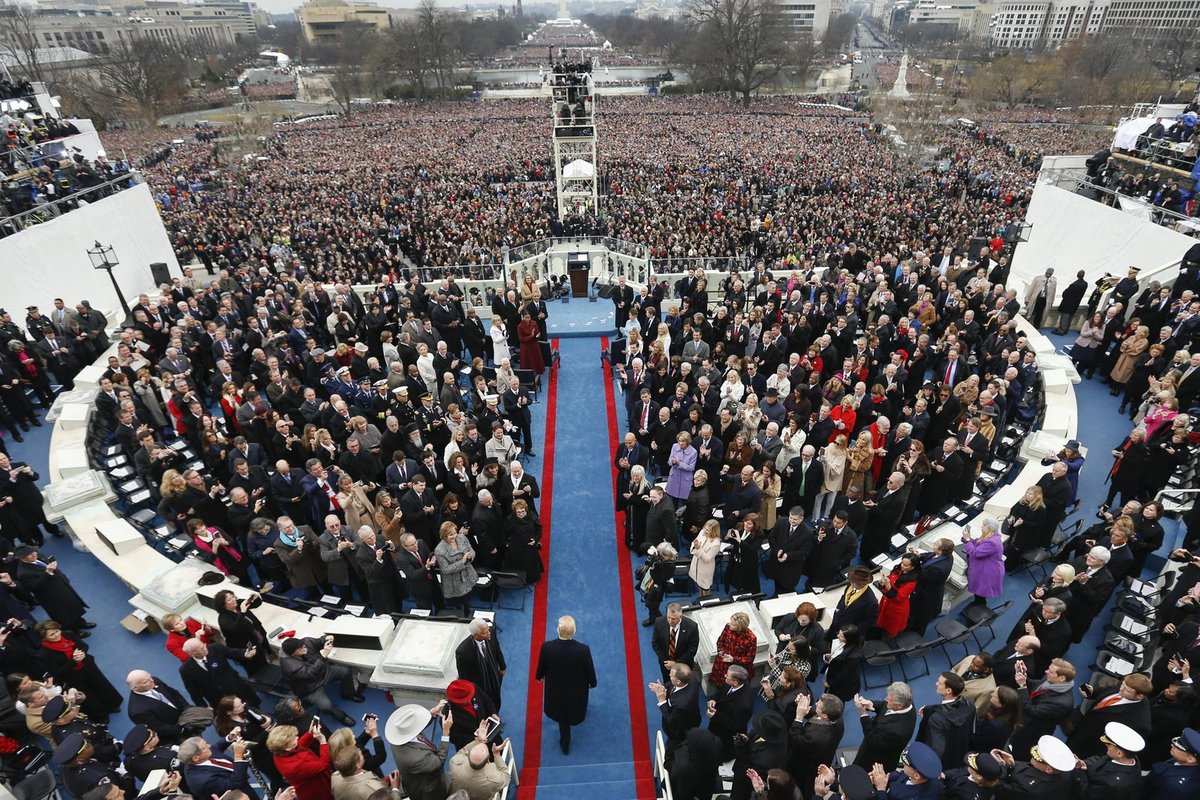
[529,334]
[897,588]
[306,767]
[179,630]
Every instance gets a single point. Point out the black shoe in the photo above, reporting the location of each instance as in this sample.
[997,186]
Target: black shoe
[646,623]
[35,422]
[54,530]
[24,426]
[530,453]
[85,626]
[347,720]
[18,437]
[358,698]
[81,634]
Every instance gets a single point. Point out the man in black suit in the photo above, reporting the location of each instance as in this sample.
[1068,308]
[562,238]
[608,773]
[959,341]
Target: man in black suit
[1043,707]
[643,417]
[833,550]
[661,524]
[622,299]
[1189,383]
[1052,630]
[1089,591]
[1129,703]
[213,777]
[857,604]
[1006,659]
[679,704]
[884,515]
[942,485]
[730,709]
[813,740]
[208,674]
[414,561]
[287,492]
[946,726]
[791,541]
[743,498]
[480,659]
[157,706]
[886,734]
[675,640]
[803,478]
[567,673]
[925,605]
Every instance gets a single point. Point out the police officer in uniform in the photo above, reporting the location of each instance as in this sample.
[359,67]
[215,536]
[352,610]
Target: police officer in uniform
[65,718]
[81,771]
[1177,778]
[144,753]
[918,776]
[976,780]
[1046,776]
[1116,775]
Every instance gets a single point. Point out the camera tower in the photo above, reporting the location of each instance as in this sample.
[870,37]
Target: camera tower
[574,134]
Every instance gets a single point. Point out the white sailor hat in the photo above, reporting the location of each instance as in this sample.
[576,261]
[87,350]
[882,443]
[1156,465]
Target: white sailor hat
[1055,753]
[1124,737]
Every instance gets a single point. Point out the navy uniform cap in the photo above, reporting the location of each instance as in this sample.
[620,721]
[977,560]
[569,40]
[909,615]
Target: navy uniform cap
[855,783]
[1190,739]
[54,709]
[136,739]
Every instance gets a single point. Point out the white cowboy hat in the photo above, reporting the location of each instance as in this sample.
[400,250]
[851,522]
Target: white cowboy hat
[405,723]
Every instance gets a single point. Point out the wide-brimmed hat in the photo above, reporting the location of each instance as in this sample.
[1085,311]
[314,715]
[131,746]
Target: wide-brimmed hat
[405,723]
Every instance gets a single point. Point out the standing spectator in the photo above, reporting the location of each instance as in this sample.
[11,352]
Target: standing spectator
[946,726]
[896,588]
[307,768]
[307,669]
[454,556]
[736,644]
[985,561]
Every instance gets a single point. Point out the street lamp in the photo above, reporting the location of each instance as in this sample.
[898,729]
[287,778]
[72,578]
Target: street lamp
[104,258]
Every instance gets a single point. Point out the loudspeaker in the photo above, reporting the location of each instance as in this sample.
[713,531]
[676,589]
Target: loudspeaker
[977,244]
[160,272]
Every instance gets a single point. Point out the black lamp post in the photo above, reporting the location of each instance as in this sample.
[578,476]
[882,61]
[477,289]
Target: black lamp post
[104,258]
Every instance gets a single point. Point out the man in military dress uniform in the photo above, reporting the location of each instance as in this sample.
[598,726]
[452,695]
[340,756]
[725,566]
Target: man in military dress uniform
[144,753]
[1046,776]
[1177,778]
[917,778]
[1116,775]
[977,779]
[81,771]
[65,718]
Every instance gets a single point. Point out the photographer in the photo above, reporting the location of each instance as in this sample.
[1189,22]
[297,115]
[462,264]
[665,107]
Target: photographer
[378,570]
[208,778]
[241,628]
[308,769]
[307,669]
[660,568]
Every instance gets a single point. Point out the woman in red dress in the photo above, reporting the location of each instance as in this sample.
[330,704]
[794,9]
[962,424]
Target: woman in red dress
[737,644]
[528,334]
[897,588]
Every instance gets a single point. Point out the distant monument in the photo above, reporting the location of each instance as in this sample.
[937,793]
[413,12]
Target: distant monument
[900,87]
[563,18]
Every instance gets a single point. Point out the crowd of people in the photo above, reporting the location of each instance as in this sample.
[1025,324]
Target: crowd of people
[789,180]
[860,399]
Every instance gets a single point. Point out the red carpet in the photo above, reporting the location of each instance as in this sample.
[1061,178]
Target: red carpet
[537,635]
[643,771]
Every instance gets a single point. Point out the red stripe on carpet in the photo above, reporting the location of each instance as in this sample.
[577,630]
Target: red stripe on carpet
[643,772]
[537,633]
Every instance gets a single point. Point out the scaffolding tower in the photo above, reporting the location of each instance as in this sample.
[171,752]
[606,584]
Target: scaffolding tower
[574,107]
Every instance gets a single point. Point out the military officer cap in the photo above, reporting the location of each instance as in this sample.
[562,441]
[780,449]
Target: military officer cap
[54,709]
[985,764]
[855,783]
[1124,737]
[136,739]
[1055,753]
[68,749]
[926,762]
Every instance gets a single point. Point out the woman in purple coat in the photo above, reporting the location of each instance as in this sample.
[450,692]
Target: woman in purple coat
[683,464]
[985,561]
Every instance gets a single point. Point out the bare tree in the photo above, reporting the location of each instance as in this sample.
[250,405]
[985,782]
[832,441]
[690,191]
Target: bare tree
[1175,53]
[17,33]
[439,44]
[143,74]
[739,44]
[1010,80]
[410,55]
[839,33]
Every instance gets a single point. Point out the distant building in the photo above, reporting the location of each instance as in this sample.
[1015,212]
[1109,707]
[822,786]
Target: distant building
[95,28]
[810,17]
[324,21]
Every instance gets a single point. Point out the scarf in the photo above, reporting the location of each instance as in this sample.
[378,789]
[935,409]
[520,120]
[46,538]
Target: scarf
[290,539]
[67,648]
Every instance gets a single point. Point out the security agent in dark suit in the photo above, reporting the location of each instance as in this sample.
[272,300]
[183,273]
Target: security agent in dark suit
[209,776]
[157,706]
[814,736]
[208,675]
[679,704]
[1129,704]
[925,604]
[687,640]
[480,660]
[886,734]
[730,709]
